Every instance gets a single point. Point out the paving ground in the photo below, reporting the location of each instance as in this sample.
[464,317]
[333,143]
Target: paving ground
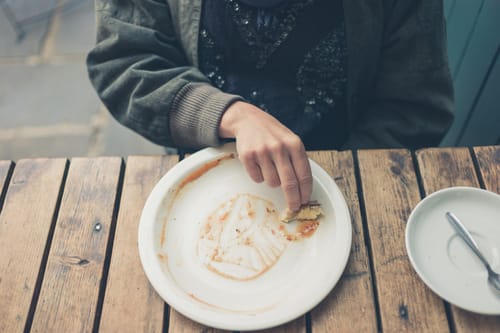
[47,105]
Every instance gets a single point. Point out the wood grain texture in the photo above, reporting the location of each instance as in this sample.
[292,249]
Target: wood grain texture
[25,223]
[353,295]
[5,169]
[390,191]
[295,326]
[488,159]
[178,323]
[130,303]
[445,167]
[468,322]
[70,289]
[433,164]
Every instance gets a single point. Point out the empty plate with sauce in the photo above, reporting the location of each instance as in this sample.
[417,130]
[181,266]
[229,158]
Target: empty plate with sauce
[213,247]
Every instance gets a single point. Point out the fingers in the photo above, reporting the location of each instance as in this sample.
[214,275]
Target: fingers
[269,151]
[269,171]
[285,164]
[253,168]
[260,167]
[289,182]
[295,174]
[303,174]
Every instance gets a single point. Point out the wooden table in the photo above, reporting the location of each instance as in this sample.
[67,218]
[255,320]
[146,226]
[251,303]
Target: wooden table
[69,260]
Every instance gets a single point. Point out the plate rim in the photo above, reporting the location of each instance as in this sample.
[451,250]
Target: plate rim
[168,293]
[408,239]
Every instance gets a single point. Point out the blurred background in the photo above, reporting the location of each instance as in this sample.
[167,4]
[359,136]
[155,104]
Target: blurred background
[47,106]
[49,109]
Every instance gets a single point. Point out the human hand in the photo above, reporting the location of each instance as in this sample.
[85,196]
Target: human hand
[269,151]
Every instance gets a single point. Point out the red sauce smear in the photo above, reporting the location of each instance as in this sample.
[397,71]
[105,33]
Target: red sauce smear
[191,178]
[202,170]
[304,229]
[253,312]
[307,228]
[193,296]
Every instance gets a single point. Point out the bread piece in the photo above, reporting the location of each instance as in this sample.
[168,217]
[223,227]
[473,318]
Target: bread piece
[310,211]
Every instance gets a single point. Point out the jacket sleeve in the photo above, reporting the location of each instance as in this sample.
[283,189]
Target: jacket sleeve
[411,104]
[142,76]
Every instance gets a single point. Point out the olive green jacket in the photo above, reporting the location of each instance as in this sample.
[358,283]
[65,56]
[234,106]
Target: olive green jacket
[399,92]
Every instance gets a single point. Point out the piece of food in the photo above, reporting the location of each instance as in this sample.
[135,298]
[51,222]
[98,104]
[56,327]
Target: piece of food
[310,211]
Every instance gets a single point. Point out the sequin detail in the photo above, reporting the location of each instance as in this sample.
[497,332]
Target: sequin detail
[264,30]
[317,82]
[322,76]
[212,60]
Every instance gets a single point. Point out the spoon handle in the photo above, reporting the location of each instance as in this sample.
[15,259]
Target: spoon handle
[466,236]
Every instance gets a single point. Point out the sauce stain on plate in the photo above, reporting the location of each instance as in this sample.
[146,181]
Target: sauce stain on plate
[192,177]
[244,237]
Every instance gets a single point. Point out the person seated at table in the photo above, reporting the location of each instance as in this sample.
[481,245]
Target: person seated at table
[277,76]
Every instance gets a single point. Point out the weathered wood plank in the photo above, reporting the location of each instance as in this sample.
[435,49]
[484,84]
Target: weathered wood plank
[390,191]
[488,159]
[353,295]
[25,223]
[441,168]
[70,289]
[182,324]
[468,322]
[5,168]
[445,167]
[130,302]
[295,326]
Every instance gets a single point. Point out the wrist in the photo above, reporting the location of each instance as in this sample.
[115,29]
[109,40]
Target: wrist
[232,118]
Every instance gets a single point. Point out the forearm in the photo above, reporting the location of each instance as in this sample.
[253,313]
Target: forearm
[140,73]
[269,151]
[196,115]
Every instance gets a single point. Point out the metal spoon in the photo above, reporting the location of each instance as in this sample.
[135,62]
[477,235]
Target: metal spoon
[493,277]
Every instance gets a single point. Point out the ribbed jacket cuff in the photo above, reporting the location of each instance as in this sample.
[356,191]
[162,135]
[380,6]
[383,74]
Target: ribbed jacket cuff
[196,113]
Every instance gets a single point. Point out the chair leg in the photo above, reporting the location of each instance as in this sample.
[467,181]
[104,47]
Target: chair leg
[12,20]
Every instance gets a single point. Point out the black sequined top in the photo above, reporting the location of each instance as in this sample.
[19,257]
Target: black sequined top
[289,60]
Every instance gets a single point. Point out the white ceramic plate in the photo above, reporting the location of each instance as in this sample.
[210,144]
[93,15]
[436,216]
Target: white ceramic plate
[443,260]
[212,247]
